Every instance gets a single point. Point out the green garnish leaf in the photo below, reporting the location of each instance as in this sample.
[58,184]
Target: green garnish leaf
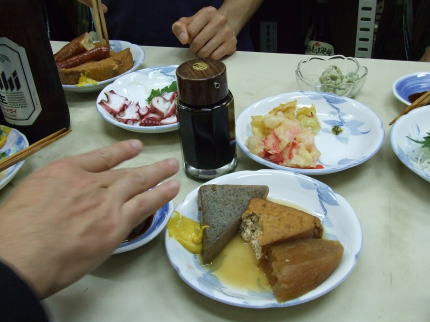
[160,91]
[3,155]
[425,142]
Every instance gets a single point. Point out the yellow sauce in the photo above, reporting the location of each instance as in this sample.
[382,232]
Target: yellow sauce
[186,231]
[236,266]
[84,80]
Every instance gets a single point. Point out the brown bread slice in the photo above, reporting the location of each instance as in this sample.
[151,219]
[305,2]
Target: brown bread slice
[220,208]
[294,268]
[265,222]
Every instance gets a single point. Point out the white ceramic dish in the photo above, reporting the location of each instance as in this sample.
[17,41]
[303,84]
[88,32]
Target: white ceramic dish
[136,87]
[361,137]
[16,141]
[116,45]
[411,84]
[415,124]
[159,221]
[338,218]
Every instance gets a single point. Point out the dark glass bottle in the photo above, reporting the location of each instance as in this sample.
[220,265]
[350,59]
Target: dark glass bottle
[318,39]
[31,96]
[206,118]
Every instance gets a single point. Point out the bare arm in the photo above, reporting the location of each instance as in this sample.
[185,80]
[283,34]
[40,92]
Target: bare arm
[238,12]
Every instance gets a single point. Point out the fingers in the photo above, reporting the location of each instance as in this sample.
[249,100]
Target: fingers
[108,157]
[138,180]
[141,206]
[210,34]
[179,29]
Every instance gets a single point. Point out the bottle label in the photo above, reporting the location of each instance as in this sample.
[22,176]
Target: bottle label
[19,100]
[319,48]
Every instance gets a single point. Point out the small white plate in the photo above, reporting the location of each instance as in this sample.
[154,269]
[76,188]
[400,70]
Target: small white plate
[338,218]
[415,124]
[16,141]
[361,137]
[136,87]
[159,221]
[411,84]
[116,45]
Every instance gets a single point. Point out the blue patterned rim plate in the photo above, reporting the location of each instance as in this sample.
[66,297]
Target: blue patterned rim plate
[136,87]
[16,141]
[116,45]
[411,84]
[415,124]
[361,138]
[339,220]
[161,217]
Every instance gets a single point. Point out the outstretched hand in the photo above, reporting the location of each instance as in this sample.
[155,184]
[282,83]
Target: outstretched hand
[67,217]
[208,33]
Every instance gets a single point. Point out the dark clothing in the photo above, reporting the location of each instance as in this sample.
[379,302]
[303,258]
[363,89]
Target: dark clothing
[404,29]
[145,22]
[18,302]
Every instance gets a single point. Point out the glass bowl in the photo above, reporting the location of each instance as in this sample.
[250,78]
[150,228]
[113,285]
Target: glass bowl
[340,75]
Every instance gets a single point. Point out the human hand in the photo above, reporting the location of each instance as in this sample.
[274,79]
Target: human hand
[88,3]
[67,217]
[208,33]
[426,56]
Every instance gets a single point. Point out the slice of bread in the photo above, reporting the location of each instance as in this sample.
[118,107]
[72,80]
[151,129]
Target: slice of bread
[100,70]
[220,208]
[265,222]
[294,268]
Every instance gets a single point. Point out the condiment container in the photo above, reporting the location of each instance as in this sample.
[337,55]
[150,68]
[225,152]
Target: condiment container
[206,117]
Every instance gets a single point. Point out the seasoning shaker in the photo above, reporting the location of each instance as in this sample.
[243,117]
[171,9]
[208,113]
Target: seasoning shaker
[206,116]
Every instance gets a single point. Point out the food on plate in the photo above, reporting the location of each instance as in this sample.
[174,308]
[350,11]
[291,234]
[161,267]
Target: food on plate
[140,229]
[281,247]
[186,231]
[220,208]
[296,267]
[285,136]
[336,130]
[422,100]
[334,81]
[4,132]
[413,97]
[421,157]
[265,222]
[160,108]
[75,47]
[94,61]
[115,65]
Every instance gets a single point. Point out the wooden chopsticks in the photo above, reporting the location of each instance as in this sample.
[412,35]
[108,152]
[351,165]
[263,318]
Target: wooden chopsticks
[36,146]
[420,101]
[100,22]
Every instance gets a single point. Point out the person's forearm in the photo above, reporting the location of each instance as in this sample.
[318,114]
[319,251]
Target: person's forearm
[238,12]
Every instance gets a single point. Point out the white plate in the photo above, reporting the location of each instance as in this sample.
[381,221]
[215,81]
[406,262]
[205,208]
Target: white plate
[137,86]
[338,218]
[16,141]
[362,135]
[415,125]
[116,45]
[411,84]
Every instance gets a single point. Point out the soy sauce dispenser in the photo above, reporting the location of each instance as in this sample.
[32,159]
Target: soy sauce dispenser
[206,116]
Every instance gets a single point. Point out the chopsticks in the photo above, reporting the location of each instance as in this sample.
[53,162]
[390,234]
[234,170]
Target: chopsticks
[420,101]
[100,22]
[36,146]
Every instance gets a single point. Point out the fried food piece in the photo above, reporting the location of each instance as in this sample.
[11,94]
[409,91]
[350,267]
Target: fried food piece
[294,268]
[265,222]
[100,70]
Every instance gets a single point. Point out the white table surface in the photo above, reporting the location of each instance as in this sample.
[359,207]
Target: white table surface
[391,280]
